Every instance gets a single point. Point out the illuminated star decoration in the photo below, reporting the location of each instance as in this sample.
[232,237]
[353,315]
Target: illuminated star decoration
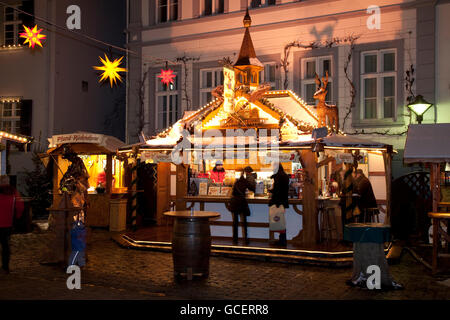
[32,36]
[111,70]
[167,76]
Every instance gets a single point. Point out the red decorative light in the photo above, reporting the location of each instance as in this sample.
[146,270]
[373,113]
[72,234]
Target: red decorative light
[167,76]
[33,36]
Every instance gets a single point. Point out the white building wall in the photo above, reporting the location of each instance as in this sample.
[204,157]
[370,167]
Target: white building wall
[443,63]
[214,37]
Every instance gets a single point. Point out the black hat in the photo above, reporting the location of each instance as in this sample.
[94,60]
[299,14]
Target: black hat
[248,169]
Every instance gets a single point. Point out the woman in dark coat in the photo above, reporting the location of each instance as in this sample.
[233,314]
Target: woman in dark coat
[238,203]
[280,191]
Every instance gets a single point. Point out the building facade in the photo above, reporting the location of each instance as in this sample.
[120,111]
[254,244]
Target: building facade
[54,89]
[368,48]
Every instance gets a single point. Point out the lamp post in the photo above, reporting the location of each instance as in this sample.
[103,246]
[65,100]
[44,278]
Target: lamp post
[419,106]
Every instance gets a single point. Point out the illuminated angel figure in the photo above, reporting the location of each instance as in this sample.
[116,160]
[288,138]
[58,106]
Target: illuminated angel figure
[111,70]
[33,36]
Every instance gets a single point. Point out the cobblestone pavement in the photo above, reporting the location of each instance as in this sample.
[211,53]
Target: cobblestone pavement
[116,273]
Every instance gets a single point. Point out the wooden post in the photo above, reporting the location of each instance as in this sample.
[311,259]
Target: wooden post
[310,232]
[181,186]
[436,244]
[133,193]
[163,191]
[435,185]
[108,173]
[387,157]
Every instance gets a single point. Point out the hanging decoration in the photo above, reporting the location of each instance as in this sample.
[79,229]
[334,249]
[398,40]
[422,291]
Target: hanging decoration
[33,36]
[167,76]
[111,70]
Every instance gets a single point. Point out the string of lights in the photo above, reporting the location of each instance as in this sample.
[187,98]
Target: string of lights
[151,59]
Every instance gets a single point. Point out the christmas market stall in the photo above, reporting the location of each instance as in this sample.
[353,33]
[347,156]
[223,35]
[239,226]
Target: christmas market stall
[250,125]
[104,171]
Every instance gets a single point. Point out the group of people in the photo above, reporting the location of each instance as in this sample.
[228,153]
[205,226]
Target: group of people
[239,206]
[355,191]
[356,194]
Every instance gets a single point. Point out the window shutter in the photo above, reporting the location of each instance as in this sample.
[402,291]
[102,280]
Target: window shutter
[26,117]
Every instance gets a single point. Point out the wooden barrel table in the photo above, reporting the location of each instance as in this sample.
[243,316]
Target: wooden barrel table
[368,251]
[191,243]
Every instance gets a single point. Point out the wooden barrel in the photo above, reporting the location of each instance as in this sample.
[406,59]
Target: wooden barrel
[191,247]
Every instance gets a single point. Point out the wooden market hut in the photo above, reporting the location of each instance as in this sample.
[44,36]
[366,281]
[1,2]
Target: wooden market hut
[98,153]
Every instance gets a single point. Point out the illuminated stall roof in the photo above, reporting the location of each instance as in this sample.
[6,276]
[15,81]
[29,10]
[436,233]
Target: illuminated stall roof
[85,142]
[427,143]
[342,141]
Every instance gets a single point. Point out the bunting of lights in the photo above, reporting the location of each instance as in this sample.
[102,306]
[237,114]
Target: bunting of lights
[33,36]
[167,76]
[111,70]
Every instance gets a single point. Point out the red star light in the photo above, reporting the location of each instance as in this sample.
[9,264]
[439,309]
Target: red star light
[167,76]
[33,36]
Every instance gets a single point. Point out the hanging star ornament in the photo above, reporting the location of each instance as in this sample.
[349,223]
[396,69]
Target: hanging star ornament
[33,36]
[167,76]
[111,70]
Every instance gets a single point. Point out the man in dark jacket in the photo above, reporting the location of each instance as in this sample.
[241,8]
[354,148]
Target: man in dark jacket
[364,189]
[238,203]
[280,190]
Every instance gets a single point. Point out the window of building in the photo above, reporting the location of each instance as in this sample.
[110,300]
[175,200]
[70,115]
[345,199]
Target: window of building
[12,23]
[167,10]
[10,117]
[209,79]
[167,103]
[211,7]
[268,75]
[261,3]
[311,67]
[378,84]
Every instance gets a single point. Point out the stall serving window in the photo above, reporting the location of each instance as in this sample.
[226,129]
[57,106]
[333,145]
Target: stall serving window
[96,167]
[213,177]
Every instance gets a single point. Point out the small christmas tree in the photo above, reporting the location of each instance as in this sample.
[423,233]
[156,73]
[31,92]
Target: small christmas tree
[38,187]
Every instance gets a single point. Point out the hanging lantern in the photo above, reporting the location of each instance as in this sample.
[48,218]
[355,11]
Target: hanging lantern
[33,36]
[167,76]
[111,70]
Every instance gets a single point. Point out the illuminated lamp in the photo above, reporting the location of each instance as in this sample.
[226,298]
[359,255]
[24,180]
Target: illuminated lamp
[32,36]
[111,70]
[419,106]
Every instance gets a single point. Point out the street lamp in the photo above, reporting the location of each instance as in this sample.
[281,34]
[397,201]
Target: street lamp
[419,106]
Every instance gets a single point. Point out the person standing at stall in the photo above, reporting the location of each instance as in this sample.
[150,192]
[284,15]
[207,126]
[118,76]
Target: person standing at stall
[363,188]
[218,172]
[238,203]
[279,198]
[11,205]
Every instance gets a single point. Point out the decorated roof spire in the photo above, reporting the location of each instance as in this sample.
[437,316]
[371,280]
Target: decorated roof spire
[247,20]
[247,55]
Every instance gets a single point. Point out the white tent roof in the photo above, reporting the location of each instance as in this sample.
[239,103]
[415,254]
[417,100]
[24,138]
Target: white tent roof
[427,143]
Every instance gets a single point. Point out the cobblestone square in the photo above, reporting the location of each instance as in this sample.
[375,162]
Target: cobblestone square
[116,273]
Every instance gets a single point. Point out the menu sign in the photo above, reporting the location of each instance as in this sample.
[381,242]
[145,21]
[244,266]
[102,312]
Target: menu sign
[77,138]
[156,157]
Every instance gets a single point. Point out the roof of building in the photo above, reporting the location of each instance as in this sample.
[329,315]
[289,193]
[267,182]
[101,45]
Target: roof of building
[427,143]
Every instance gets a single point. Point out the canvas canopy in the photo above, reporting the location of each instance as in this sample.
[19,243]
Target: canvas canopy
[427,143]
[85,142]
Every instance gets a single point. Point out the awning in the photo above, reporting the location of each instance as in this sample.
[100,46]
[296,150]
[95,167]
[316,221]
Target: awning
[85,142]
[427,143]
